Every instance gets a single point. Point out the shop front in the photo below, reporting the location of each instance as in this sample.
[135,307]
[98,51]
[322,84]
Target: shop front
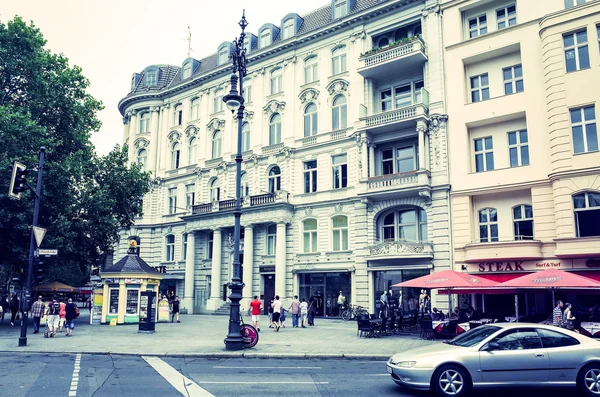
[325,287]
[408,298]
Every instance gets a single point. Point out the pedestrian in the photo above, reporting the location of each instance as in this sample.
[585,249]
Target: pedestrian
[568,317]
[256,307]
[557,314]
[312,310]
[61,315]
[71,313]
[271,313]
[303,312]
[282,317]
[37,311]
[276,305]
[4,305]
[295,310]
[341,301]
[175,312]
[14,309]
[53,313]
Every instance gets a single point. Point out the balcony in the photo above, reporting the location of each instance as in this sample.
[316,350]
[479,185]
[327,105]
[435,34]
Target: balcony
[404,184]
[577,247]
[387,62]
[504,249]
[280,196]
[324,137]
[400,118]
[393,249]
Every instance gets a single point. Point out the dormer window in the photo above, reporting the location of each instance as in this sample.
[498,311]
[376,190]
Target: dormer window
[134,81]
[187,70]
[265,38]
[151,78]
[223,56]
[288,29]
[340,8]
[247,43]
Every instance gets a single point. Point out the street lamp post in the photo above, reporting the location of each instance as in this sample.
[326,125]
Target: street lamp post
[235,101]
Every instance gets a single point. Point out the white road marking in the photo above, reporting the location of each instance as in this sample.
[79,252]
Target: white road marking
[262,383]
[227,367]
[183,385]
[377,375]
[75,378]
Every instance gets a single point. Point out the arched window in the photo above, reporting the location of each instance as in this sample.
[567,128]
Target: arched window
[245,137]
[288,29]
[178,115]
[383,42]
[142,156]
[338,60]
[187,70]
[276,81]
[145,122]
[275,129]
[339,113]
[488,225]
[244,186]
[192,151]
[274,179]
[271,239]
[418,31]
[309,233]
[195,108]
[215,190]
[406,224]
[401,34]
[170,248]
[523,222]
[216,145]
[265,38]
[311,70]
[587,214]
[340,233]
[175,153]
[310,120]
[218,101]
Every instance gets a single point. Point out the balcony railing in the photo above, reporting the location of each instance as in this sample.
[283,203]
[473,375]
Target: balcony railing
[405,54]
[393,180]
[324,137]
[266,198]
[419,107]
[202,208]
[280,196]
[271,149]
[226,204]
[399,248]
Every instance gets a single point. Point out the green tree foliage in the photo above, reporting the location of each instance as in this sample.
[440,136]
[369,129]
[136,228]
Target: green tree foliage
[86,199]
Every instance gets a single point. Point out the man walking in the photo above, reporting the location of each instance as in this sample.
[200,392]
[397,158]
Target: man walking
[53,317]
[341,301]
[557,314]
[14,309]
[295,310]
[37,311]
[175,314]
[276,312]
[256,307]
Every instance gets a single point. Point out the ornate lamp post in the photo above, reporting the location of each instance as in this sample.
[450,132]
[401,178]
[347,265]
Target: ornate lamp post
[235,101]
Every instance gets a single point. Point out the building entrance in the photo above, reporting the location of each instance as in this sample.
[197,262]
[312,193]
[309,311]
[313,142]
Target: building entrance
[325,289]
[268,291]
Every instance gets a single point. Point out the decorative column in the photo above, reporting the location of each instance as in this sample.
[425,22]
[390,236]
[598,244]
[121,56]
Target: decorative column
[371,159]
[122,302]
[190,265]
[105,302]
[215,300]
[421,128]
[153,147]
[133,128]
[248,263]
[280,254]
[364,153]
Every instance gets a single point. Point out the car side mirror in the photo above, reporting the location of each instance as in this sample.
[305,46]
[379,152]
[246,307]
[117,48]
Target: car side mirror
[491,346]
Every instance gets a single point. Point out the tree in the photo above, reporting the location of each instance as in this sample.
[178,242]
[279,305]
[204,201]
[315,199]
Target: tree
[86,198]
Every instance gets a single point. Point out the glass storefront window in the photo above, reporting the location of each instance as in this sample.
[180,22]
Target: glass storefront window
[133,296]
[409,297]
[327,286]
[113,302]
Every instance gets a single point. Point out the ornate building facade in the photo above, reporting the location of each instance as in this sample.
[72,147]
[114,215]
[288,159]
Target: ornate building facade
[345,179]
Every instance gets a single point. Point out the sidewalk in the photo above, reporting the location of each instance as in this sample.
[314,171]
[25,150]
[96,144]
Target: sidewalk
[202,336]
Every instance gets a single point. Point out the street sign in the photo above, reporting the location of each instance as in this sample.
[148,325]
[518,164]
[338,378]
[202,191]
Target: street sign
[47,252]
[39,234]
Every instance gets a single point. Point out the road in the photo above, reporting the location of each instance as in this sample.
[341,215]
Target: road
[73,375]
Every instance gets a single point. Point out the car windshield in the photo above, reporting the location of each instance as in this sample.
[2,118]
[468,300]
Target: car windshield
[474,336]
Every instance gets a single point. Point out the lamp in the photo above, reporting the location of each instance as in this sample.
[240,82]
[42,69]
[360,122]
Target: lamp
[233,100]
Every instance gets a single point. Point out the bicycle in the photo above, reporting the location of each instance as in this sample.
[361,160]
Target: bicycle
[353,312]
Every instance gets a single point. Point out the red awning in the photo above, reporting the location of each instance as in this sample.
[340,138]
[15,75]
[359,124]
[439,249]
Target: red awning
[501,277]
[551,278]
[447,279]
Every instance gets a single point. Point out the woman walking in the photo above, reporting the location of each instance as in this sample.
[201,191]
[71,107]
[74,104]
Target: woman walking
[62,315]
[303,312]
[568,317]
[71,313]
[271,313]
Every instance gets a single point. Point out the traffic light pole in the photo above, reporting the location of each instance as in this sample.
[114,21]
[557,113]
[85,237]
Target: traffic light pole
[26,294]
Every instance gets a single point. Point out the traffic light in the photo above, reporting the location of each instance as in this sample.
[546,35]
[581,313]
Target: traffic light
[18,182]
[39,273]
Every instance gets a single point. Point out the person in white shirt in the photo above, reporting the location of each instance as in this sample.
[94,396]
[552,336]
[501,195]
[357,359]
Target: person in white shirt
[303,312]
[276,305]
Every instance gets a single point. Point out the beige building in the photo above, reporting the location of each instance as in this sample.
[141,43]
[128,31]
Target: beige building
[522,84]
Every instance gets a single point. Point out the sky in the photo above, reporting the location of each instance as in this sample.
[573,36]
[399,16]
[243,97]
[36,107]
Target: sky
[110,39]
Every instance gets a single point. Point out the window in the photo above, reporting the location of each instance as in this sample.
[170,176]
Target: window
[403,96]
[192,151]
[247,43]
[276,81]
[518,148]
[172,200]
[551,339]
[506,16]
[209,248]
[245,137]
[404,225]
[271,239]
[114,301]
[133,297]
[195,109]
[184,237]
[419,87]
[216,145]
[175,152]
[518,339]
[215,190]
[275,129]
[386,100]
[513,79]
[247,94]
[288,29]
[190,195]
[339,113]
[145,122]
[340,171]
[311,70]
[484,154]
[340,233]
[478,26]
[383,42]
[340,8]
[142,156]
[178,115]
[583,127]
[310,176]
[576,51]
[218,101]
[151,78]
[274,179]
[587,214]
[309,233]
[573,3]
[338,60]
[244,186]
[523,222]
[480,89]
[310,120]
[223,55]
[170,248]
[187,70]
[399,159]
[488,225]
[265,38]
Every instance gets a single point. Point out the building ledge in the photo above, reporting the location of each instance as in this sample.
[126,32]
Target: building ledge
[577,247]
[504,250]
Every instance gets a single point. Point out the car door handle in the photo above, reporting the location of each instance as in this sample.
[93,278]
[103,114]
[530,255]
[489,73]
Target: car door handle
[539,354]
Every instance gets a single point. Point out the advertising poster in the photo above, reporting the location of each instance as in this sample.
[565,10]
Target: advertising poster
[97,298]
[163,311]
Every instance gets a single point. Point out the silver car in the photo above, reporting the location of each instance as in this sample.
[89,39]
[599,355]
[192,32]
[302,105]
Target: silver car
[498,355]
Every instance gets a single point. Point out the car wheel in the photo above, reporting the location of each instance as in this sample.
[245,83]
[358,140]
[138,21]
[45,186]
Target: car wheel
[450,380]
[588,379]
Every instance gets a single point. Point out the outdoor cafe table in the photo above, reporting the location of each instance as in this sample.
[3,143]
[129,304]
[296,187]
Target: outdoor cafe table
[439,324]
[590,329]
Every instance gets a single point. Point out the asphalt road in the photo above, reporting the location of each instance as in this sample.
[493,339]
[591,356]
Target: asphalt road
[56,375]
